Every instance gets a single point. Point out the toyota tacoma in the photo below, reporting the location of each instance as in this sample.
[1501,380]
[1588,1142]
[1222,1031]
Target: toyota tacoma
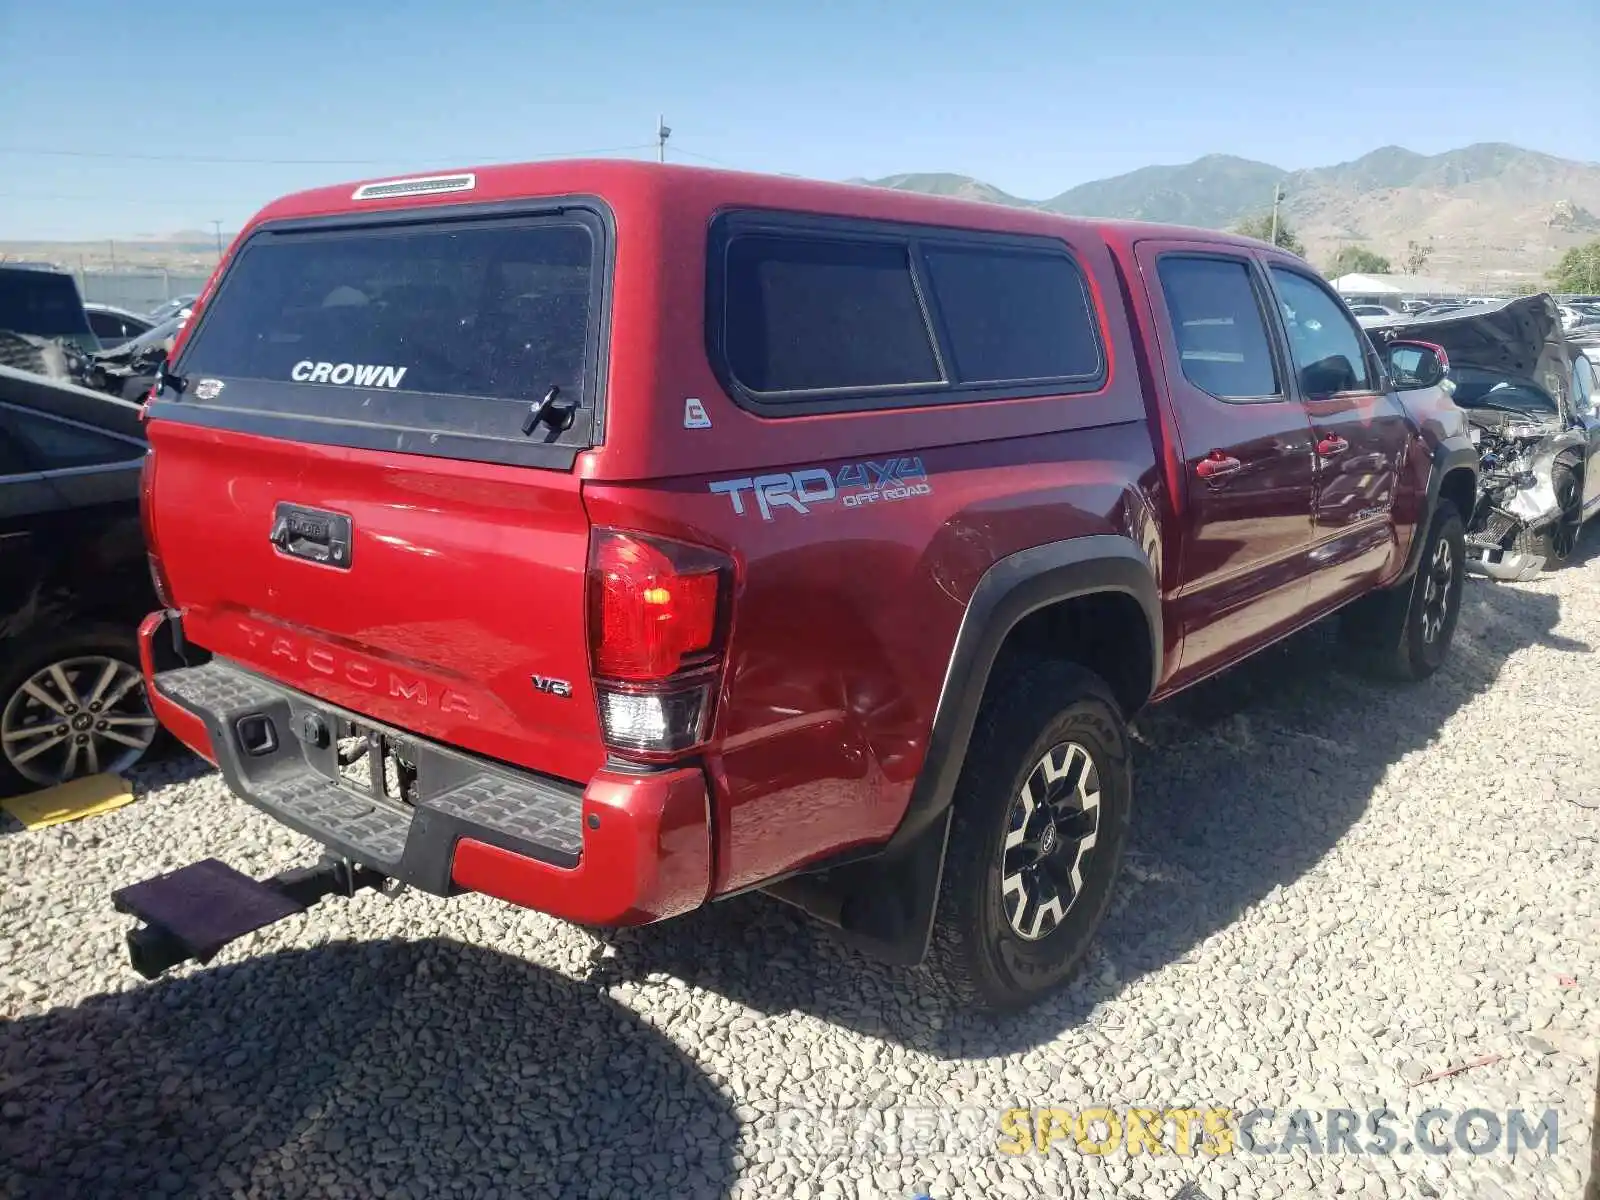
[611,538]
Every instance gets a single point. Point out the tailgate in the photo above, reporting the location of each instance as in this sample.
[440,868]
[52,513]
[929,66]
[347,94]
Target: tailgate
[462,585]
[363,482]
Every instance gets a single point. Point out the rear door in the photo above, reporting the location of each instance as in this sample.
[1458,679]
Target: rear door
[1246,445]
[355,493]
[1362,436]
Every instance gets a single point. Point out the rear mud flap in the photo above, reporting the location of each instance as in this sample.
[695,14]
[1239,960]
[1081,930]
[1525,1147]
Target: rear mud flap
[883,906]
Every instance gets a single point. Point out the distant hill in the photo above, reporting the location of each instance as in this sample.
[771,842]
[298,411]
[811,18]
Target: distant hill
[943,183]
[1489,211]
[1492,214]
[1213,191]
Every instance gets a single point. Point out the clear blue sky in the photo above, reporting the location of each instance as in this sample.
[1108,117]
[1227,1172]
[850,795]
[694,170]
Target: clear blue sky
[1032,95]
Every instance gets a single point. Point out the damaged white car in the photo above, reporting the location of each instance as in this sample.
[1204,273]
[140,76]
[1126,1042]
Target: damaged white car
[1530,400]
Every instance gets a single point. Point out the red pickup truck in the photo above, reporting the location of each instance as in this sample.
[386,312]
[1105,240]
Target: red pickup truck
[612,537]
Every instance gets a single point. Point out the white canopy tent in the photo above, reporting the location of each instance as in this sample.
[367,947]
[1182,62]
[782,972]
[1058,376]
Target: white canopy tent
[1380,288]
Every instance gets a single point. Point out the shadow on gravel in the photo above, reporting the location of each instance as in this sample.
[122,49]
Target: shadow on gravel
[388,1069]
[1243,784]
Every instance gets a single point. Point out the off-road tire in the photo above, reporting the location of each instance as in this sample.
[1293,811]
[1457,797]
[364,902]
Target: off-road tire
[1386,631]
[975,956]
[1558,541]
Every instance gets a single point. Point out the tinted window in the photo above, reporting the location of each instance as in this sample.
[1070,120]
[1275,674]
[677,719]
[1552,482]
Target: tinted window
[806,314]
[55,444]
[44,303]
[1327,348]
[1013,315]
[1222,336]
[496,311]
[111,327]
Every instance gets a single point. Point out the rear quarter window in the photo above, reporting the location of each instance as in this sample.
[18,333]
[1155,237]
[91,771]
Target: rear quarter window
[826,316]
[814,315]
[1013,315]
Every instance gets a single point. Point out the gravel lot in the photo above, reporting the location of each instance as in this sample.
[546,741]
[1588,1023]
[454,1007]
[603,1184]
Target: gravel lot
[1334,889]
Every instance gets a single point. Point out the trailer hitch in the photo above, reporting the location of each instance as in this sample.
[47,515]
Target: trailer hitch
[193,912]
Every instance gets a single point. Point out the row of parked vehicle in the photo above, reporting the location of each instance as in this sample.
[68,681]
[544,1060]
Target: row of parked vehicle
[824,542]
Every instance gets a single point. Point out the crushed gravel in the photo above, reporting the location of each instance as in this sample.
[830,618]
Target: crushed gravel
[1335,889]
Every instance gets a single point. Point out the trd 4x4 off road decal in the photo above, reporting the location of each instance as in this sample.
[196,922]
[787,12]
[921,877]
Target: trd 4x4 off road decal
[852,485]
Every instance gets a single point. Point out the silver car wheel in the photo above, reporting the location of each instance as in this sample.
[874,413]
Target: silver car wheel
[78,716]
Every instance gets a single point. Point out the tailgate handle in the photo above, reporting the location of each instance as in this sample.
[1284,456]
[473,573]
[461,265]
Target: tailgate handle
[313,534]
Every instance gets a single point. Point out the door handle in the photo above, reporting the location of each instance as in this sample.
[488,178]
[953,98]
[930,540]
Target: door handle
[312,534]
[1331,445]
[1216,465]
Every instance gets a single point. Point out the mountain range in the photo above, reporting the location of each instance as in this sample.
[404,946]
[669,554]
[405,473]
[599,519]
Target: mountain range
[1491,214]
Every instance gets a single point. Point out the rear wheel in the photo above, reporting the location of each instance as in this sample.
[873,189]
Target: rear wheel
[1041,818]
[1405,632]
[75,706]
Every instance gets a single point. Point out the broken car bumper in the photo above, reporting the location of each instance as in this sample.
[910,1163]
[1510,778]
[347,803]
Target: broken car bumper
[1504,565]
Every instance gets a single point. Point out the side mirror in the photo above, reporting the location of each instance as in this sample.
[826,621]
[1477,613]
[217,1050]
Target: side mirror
[1413,365]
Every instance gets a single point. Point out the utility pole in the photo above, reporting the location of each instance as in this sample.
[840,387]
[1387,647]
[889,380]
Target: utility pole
[1277,199]
[217,226]
[662,134]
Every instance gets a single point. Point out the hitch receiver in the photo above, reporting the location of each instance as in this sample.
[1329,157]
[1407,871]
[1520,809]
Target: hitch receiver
[193,912]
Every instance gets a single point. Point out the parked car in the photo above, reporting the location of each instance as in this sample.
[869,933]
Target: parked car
[1439,307]
[1530,398]
[1373,310]
[74,582]
[114,326]
[1577,318]
[171,308]
[627,536]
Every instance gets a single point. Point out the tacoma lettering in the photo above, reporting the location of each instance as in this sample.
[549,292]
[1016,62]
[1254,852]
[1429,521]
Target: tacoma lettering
[357,673]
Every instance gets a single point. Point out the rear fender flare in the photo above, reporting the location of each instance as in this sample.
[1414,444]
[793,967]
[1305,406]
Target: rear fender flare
[1011,589]
[884,904]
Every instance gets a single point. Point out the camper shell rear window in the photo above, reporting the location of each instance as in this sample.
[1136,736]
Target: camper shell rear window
[431,336]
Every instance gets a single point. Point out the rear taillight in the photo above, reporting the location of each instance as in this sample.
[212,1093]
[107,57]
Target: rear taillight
[147,519]
[657,620]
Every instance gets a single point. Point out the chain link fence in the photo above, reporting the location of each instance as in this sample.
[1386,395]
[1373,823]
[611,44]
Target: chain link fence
[137,291]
